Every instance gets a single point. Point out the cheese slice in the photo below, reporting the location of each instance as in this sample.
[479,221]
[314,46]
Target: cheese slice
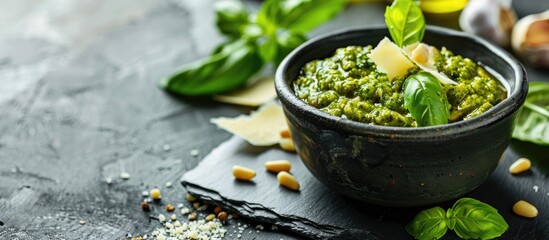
[424,56]
[254,95]
[260,128]
[389,59]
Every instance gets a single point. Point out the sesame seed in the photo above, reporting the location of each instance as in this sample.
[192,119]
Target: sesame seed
[125,175]
[194,152]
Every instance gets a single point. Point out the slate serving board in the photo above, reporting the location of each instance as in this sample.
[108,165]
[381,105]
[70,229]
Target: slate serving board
[319,213]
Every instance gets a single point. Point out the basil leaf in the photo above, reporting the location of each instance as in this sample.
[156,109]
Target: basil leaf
[299,16]
[268,48]
[426,100]
[405,22]
[533,121]
[428,224]
[231,17]
[228,68]
[277,47]
[287,42]
[471,218]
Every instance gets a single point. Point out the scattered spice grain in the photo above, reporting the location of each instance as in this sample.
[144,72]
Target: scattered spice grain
[190,197]
[192,216]
[217,210]
[156,194]
[145,206]
[169,207]
[222,216]
[125,175]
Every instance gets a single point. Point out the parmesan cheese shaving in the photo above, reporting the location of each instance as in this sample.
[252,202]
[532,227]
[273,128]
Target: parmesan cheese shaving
[389,59]
[423,56]
[260,128]
[254,95]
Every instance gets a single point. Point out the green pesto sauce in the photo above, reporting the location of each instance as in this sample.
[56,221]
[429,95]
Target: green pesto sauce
[348,85]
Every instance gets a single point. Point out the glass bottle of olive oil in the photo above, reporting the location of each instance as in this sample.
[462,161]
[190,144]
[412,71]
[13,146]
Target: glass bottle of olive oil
[443,12]
[442,6]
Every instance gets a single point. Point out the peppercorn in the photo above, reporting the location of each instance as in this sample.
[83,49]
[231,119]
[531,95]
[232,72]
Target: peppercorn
[222,216]
[217,210]
[145,206]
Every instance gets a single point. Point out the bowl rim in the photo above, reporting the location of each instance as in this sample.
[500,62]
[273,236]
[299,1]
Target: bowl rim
[500,111]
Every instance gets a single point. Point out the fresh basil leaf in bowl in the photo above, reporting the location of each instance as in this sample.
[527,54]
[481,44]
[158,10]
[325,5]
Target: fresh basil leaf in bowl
[426,100]
[405,22]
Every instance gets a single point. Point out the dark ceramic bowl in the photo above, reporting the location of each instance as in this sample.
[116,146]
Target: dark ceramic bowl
[397,166]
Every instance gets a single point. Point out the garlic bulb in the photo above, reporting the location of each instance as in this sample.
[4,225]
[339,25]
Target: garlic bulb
[490,19]
[530,39]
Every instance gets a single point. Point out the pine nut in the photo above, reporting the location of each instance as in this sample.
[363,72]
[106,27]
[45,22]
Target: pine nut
[285,134]
[287,144]
[525,209]
[521,165]
[278,165]
[287,180]
[190,197]
[210,217]
[243,173]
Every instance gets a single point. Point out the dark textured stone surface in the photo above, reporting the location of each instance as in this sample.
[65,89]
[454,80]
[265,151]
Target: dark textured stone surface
[318,212]
[79,103]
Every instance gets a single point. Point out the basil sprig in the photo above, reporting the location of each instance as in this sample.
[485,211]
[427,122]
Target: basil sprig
[533,121]
[469,218]
[426,100]
[405,22]
[232,18]
[254,40]
[228,67]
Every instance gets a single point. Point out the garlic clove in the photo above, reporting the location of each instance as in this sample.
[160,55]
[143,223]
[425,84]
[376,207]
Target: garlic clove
[490,19]
[530,39]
